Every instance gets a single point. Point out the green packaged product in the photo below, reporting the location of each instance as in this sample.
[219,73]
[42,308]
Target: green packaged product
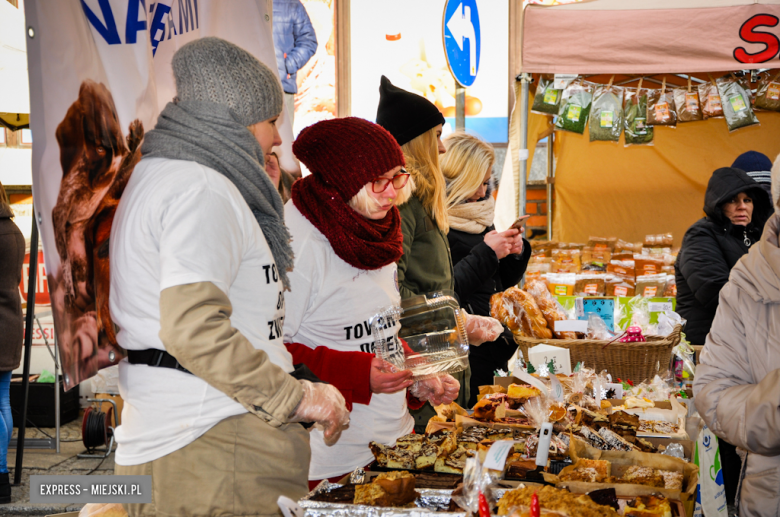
[736,103]
[606,114]
[637,132]
[768,93]
[547,100]
[575,107]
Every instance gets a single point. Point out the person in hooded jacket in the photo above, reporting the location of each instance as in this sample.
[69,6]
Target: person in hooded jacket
[737,383]
[736,209]
[487,261]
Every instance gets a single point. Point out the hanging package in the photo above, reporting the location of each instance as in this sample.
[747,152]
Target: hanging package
[768,93]
[660,107]
[575,107]
[736,103]
[606,114]
[547,100]
[637,132]
[686,101]
[709,96]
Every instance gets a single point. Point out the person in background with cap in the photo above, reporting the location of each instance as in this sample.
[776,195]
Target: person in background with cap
[200,262]
[426,264]
[758,166]
[347,239]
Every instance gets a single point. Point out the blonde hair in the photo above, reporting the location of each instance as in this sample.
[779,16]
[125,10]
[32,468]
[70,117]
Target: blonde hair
[364,203]
[422,161]
[5,205]
[464,165]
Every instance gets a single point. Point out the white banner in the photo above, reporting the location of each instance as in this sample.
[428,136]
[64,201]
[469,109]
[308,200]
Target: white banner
[99,75]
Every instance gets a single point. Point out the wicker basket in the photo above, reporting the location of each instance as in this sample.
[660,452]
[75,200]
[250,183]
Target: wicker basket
[628,361]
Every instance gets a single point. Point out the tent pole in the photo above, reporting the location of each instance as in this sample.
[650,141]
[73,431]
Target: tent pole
[520,179]
[550,182]
[28,329]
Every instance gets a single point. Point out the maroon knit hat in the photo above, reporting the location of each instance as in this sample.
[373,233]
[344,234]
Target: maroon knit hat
[346,153]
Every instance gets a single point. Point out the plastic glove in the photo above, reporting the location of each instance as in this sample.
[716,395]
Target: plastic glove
[438,390]
[385,379]
[323,404]
[482,329]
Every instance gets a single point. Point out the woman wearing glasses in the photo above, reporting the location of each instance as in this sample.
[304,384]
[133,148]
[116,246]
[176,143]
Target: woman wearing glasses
[346,236]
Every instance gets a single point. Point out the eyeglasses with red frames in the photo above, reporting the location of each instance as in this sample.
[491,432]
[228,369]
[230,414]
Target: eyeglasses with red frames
[399,181]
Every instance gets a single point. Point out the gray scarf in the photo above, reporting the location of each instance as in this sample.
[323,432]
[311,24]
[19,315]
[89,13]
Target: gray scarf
[206,133]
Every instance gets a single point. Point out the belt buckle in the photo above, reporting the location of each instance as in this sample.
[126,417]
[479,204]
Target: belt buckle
[160,354]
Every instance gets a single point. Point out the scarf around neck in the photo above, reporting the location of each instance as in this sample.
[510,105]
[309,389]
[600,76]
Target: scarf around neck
[362,243]
[473,217]
[206,133]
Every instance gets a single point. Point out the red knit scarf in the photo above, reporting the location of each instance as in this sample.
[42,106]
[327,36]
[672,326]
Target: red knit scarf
[360,242]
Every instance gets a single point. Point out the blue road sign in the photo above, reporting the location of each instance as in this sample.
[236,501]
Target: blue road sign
[462,44]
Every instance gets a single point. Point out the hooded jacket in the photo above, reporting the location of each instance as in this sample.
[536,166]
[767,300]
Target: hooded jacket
[294,39]
[737,383]
[712,246]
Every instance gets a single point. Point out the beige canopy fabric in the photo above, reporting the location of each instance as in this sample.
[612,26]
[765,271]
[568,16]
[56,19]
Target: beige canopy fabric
[650,36]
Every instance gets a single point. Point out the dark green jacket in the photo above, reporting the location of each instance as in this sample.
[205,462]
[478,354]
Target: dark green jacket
[426,264]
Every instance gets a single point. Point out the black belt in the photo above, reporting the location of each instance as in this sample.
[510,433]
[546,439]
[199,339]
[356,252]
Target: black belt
[155,357]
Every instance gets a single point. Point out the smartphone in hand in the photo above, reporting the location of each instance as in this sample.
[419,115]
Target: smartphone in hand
[517,225]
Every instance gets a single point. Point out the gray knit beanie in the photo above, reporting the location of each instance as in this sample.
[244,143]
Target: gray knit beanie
[214,70]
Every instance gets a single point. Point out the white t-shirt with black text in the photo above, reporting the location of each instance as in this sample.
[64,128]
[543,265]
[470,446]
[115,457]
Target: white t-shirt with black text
[331,303]
[178,223]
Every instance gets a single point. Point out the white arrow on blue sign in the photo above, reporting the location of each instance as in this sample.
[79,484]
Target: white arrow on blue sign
[462,43]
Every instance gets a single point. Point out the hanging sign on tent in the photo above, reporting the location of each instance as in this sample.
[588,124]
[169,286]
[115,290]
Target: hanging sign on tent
[104,67]
[462,43]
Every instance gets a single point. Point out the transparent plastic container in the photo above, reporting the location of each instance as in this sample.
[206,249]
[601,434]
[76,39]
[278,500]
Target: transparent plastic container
[434,329]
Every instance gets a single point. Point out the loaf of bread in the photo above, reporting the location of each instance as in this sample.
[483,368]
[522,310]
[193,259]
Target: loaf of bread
[548,306]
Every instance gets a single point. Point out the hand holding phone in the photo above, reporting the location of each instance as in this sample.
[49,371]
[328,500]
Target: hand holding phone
[518,225]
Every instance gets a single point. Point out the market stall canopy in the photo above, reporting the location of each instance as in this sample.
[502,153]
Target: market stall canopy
[650,36]
[14,86]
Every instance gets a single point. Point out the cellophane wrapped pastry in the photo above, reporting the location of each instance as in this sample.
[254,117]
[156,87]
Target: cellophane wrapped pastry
[549,306]
[517,310]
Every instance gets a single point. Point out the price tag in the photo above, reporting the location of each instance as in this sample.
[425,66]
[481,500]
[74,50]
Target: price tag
[571,326]
[556,389]
[561,81]
[659,306]
[496,456]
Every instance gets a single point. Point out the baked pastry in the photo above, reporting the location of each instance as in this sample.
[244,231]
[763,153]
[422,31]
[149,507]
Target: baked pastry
[398,486]
[593,438]
[624,420]
[639,475]
[554,499]
[672,480]
[592,471]
[370,494]
[662,427]
[524,308]
[454,462]
[637,402]
[549,307]
[426,456]
[615,441]
[645,446]
[648,506]
[522,391]
[400,459]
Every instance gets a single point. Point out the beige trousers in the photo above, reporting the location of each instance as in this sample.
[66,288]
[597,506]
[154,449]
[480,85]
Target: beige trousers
[239,467]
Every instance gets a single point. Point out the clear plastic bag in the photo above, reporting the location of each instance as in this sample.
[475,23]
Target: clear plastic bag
[637,131]
[561,284]
[597,328]
[476,480]
[686,101]
[606,117]
[768,92]
[547,100]
[736,103]
[660,107]
[575,107]
[711,105]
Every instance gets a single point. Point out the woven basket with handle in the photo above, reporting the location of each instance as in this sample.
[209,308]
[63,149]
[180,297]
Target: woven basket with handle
[628,361]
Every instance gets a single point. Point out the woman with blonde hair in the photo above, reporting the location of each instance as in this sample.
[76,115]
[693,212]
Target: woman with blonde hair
[486,261]
[426,264]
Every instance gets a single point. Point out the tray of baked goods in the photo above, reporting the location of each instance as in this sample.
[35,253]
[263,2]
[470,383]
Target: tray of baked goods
[398,493]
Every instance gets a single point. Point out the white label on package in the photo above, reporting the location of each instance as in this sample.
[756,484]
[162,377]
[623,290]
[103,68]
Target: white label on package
[561,81]
[659,306]
[496,455]
[556,389]
[571,326]
[522,154]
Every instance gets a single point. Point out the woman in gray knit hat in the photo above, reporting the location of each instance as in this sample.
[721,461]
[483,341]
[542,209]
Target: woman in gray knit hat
[199,262]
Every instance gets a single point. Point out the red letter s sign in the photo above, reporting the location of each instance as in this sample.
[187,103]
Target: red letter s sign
[749,34]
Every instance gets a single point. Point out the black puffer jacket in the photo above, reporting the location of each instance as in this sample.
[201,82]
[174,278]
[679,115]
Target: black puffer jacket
[478,276]
[712,246]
